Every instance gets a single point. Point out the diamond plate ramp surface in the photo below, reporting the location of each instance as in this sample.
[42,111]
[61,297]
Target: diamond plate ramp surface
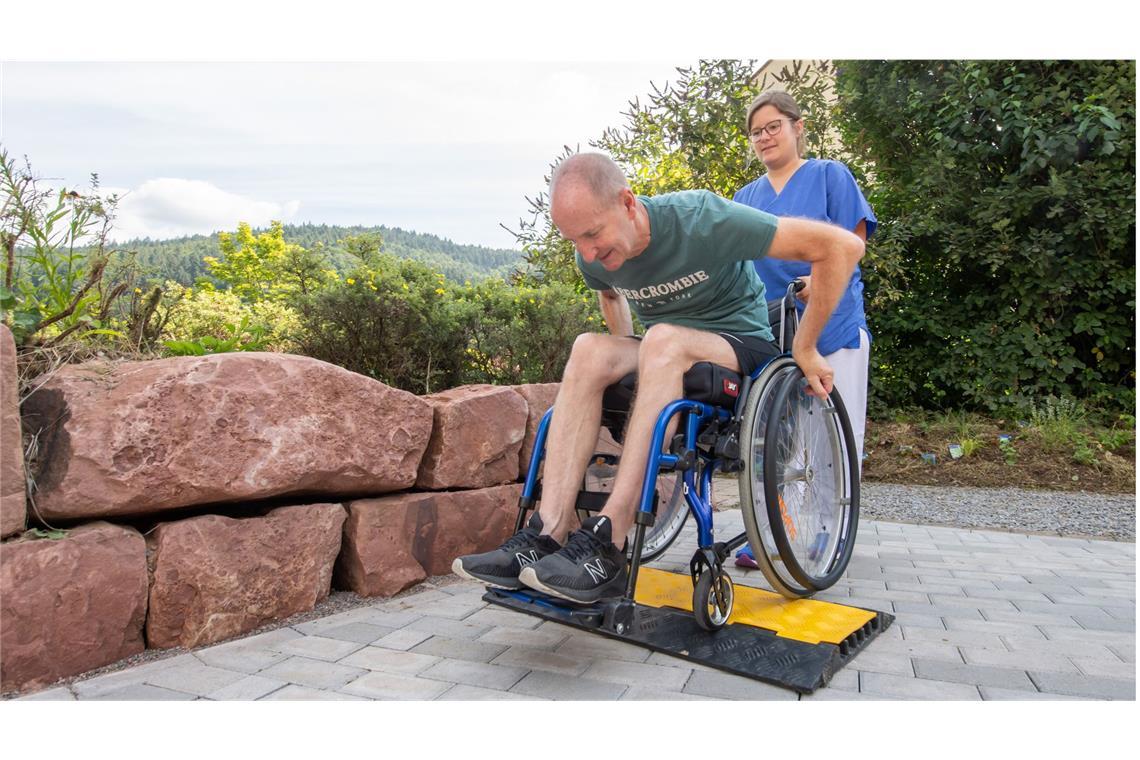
[806,644]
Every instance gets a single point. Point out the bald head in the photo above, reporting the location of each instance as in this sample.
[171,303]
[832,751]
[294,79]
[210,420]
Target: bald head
[595,172]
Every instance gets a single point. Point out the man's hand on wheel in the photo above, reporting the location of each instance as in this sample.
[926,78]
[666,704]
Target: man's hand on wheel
[819,374]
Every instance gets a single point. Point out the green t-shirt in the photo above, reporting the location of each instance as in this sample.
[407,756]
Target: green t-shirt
[697,271]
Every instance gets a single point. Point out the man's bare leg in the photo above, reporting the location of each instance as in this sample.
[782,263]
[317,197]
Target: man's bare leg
[667,352]
[596,361]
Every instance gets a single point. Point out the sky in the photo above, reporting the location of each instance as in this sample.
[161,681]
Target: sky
[448,148]
[439,118]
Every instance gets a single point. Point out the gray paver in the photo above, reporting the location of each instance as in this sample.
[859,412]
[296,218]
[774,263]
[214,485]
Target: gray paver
[475,673]
[456,629]
[293,692]
[313,673]
[642,694]
[915,688]
[566,688]
[464,693]
[996,628]
[459,649]
[1103,668]
[502,618]
[642,674]
[883,662]
[542,659]
[390,661]
[535,639]
[727,686]
[391,686]
[246,659]
[589,646]
[402,639]
[361,633]
[144,692]
[137,675]
[58,694]
[991,693]
[250,687]
[1005,678]
[320,648]
[1066,647]
[842,695]
[931,650]
[954,637]
[1025,659]
[194,678]
[1084,686]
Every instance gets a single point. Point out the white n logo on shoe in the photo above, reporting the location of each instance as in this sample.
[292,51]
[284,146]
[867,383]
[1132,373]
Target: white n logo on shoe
[526,559]
[596,570]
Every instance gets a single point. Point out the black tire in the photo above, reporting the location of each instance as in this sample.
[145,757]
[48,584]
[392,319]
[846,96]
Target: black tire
[788,441]
[712,600]
[671,511]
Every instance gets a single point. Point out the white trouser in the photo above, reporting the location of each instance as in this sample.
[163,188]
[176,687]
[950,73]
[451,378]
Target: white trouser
[850,365]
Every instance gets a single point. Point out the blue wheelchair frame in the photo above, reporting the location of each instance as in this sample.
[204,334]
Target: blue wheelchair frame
[697,494]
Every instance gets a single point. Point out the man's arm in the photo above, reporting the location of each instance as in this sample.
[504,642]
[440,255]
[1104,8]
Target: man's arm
[615,310]
[860,232]
[833,253]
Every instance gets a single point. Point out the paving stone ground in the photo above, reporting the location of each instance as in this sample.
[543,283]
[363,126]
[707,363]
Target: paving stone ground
[980,615]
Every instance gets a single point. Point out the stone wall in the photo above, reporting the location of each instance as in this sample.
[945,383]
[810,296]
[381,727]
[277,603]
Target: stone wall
[260,481]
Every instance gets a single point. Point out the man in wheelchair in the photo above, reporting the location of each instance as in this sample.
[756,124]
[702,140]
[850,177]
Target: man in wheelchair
[682,262]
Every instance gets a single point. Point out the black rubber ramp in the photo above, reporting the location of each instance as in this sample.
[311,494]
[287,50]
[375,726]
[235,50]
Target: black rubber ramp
[738,648]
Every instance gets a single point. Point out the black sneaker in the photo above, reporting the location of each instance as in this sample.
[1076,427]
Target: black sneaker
[500,568]
[588,568]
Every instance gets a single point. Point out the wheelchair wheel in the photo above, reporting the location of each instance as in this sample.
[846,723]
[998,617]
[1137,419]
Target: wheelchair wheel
[800,487]
[671,510]
[712,600]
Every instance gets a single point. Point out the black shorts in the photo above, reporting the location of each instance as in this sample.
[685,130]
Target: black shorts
[751,352]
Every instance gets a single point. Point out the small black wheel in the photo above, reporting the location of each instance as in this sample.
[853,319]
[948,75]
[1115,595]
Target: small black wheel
[712,600]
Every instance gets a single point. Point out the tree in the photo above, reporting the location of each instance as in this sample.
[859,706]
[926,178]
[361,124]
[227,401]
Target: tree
[265,267]
[689,135]
[1005,251]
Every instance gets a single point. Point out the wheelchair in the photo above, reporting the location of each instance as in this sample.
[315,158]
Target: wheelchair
[796,463]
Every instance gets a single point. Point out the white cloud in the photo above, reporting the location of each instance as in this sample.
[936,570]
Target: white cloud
[170,207]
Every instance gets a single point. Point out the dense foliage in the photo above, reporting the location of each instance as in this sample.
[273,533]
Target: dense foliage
[401,323]
[1005,257]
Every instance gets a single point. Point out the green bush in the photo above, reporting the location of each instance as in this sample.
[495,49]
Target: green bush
[524,334]
[202,312]
[1003,268]
[407,326]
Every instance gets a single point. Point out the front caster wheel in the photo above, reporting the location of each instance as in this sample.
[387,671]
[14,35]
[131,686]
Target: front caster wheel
[712,600]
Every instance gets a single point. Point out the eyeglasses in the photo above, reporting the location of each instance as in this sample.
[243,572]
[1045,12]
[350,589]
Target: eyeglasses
[772,128]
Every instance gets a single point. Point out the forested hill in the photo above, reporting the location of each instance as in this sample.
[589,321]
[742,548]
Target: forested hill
[180,259]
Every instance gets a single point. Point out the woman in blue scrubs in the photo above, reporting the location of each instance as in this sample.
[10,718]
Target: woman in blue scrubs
[823,190]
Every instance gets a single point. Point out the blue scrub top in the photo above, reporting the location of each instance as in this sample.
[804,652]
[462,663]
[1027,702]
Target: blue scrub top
[825,191]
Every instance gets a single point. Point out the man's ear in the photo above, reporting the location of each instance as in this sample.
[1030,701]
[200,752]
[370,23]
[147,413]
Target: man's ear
[628,200]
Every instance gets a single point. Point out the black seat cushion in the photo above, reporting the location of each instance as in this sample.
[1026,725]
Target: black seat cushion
[705,381]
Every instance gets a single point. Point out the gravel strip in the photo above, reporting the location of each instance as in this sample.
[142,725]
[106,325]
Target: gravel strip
[1076,514]
[1063,513]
